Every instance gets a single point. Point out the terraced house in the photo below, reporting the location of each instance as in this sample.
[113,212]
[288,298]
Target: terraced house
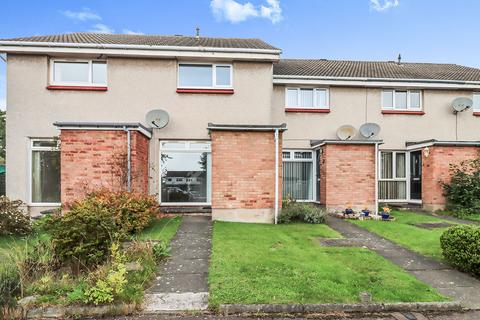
[245,127]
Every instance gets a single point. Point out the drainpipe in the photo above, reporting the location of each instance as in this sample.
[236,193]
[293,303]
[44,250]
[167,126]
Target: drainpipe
[376,179]
[129,159]
[276,176]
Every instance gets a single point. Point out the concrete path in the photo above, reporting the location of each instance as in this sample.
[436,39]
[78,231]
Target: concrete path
[182,281]
[449,282]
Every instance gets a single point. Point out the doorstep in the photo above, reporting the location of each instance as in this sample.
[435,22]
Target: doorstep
[206,210]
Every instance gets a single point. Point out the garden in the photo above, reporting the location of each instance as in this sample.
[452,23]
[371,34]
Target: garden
[452,242]
[101,250]
[285,263]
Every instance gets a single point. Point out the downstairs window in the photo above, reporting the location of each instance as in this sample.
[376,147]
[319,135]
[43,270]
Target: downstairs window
[392,184]
[45,171]
[298,175]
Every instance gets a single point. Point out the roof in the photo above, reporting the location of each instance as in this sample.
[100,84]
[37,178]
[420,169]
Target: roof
[104,126]
[323,68]
[434,142]
[246,127]
[147,40]
[321,142]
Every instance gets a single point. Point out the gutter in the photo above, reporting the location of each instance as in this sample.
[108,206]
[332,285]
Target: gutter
[104,126]
[433,142]
[241,127]
[318,143]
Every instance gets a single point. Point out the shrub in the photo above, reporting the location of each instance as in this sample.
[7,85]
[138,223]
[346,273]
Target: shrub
[82,237]
[461,248]
[296,211]
[463,191]
[132,212]
[9,285]
[13,221]
[160,251]
[109,281]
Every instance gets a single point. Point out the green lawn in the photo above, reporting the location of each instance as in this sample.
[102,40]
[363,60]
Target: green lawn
[403,232]
[471,217]
[258,263]
[161,229]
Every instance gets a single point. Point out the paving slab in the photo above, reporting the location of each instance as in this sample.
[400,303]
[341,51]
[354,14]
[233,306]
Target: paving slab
[182,280]
[452,283]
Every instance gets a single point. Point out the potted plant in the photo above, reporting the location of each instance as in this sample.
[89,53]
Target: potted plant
[385,213]
[366,212]
[348,210]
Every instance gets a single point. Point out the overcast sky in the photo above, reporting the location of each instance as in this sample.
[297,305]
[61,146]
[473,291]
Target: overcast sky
[421,30]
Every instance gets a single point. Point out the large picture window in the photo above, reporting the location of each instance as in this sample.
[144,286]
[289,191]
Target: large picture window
[45,171]
[185,172]
[393,176]
[79,73]
[298,174]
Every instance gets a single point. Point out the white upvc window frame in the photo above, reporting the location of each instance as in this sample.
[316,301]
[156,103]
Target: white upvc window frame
[406,179]
[314,168]
[315,102]
[408,108]
[77,84]
[214,75]
[32,148]
[476,107]
[186,149]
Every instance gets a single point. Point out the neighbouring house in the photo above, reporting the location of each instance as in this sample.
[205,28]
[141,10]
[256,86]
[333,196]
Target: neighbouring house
[2,179]
[245,129]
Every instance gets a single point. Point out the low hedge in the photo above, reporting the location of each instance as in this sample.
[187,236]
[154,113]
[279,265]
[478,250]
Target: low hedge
[461,248]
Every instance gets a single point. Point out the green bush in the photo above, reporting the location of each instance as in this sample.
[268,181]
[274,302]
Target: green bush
[160,251]
[132,212]
[461,248]
[463,191]
[293,211]
[9,285]
[13,221]
[82,237]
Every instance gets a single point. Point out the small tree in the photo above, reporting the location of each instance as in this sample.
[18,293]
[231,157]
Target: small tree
[463,191]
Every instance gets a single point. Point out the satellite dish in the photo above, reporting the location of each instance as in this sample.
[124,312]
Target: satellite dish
[461,104]
[157,118]
[346,132]
[368,130]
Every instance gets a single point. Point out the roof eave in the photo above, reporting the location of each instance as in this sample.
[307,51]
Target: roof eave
[136,50]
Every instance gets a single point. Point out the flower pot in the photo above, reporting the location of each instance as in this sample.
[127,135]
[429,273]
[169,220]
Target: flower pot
[385,216]
[366,213]
[348,211]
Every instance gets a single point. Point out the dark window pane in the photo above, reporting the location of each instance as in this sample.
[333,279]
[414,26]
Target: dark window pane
[297,180]
[185,177]
[45,176]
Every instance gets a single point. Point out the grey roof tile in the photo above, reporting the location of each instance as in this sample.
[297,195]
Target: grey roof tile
[152,40]
[375,70]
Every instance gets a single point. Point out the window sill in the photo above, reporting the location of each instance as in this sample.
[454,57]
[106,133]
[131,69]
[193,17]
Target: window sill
[416,113]
[77,88]
[476,113]
[304,110]
[221,91]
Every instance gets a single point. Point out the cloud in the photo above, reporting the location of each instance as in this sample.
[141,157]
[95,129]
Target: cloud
[82,15]
[236,12]
[273,12]
[382,5]
[101,28]
[128,31]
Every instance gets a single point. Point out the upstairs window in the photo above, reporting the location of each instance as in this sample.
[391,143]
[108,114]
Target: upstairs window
[476,102]
[79,73]
[204,76]
[306,98]
[401,100]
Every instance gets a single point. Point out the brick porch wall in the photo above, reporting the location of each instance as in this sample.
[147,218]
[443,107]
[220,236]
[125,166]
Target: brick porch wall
[435,171]
[93,159]
[347,176]
[243,175]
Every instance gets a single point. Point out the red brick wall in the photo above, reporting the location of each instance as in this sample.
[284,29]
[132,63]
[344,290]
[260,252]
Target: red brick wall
[347,176]
[243,170]
[435,171]
[93,159]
